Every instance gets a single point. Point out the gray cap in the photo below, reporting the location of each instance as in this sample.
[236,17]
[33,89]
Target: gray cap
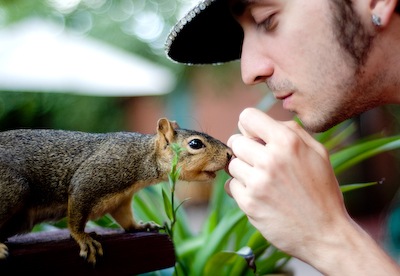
[208,34]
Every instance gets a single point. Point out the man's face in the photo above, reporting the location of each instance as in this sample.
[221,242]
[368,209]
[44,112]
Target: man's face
[314,56]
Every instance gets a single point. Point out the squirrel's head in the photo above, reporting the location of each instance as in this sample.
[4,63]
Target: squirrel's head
[202,155]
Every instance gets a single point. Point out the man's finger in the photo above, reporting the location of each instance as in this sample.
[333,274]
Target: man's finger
[255,124]
[239,169]
[234,188]
[306,137]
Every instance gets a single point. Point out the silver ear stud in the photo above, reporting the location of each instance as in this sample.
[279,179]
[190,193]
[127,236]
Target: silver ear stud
[376,20]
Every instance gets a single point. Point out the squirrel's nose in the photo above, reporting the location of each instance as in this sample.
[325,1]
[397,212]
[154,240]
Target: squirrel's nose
[229,154]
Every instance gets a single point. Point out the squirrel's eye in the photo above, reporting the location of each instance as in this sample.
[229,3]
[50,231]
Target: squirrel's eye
[196,144]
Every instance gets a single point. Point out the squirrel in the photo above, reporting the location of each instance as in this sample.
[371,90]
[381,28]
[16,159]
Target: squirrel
[48,174]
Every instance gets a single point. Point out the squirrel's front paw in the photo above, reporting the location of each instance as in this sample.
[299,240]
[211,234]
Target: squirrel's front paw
[145,227]
[3,251]
[150,226]
[90,249]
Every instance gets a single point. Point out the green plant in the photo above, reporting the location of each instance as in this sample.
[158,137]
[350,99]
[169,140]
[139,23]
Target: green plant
[228,244]
[168,193]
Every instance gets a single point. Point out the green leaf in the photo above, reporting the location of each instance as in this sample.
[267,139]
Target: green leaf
[182,227]
[210,223]
[258,243]
[352,155]
[220,263]
[350,187]
[219,203]
[106,221]
[190,246]
[167,205]
[180,205]
[148,205]
[341,137]
[272,263]
[336,135]
[217,238]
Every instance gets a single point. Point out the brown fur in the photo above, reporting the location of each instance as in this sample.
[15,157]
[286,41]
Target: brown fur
[49,174]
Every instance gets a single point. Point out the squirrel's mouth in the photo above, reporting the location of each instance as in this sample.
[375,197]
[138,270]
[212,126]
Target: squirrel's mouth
[198,175]
[210,174]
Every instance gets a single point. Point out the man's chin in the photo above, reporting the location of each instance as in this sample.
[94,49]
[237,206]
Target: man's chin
[316,126]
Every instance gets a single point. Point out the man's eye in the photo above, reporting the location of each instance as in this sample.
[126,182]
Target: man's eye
[196,144]
[268,24]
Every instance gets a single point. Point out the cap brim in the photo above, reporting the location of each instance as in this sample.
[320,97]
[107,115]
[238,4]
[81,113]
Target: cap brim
[208,34]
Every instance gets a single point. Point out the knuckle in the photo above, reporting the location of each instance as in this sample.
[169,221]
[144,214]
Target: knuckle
[258,181]
[291,142]
[265,160]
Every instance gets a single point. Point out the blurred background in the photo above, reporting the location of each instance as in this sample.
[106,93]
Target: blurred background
[100,66]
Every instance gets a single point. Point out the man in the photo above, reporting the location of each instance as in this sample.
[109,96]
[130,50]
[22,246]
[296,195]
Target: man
[327,60]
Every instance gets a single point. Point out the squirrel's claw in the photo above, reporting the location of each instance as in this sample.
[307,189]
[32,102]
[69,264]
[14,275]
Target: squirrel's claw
[150,226]
[90,249]
[145,227]
[3,251]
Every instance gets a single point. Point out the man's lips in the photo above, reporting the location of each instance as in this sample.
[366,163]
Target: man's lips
[282,96]
[286,98]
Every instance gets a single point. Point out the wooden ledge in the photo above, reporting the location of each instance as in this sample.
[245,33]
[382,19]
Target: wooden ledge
[56,253]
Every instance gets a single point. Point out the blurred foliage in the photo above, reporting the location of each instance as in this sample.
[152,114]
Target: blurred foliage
[60,111]
[234,246]
[136,26]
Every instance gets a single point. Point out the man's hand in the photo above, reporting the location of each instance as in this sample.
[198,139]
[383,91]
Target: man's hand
[283,180]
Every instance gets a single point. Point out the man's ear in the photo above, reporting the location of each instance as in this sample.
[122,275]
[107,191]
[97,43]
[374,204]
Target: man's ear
[384,9]
[166,131]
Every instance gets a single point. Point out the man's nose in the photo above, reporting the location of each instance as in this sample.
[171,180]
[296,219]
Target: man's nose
[256,66]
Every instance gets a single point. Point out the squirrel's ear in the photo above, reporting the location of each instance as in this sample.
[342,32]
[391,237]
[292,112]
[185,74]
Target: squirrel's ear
[166,129]
[174,124]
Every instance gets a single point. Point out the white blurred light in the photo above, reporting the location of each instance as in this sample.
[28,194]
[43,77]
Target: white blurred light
[40,56]
[64,6]
[148,26]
